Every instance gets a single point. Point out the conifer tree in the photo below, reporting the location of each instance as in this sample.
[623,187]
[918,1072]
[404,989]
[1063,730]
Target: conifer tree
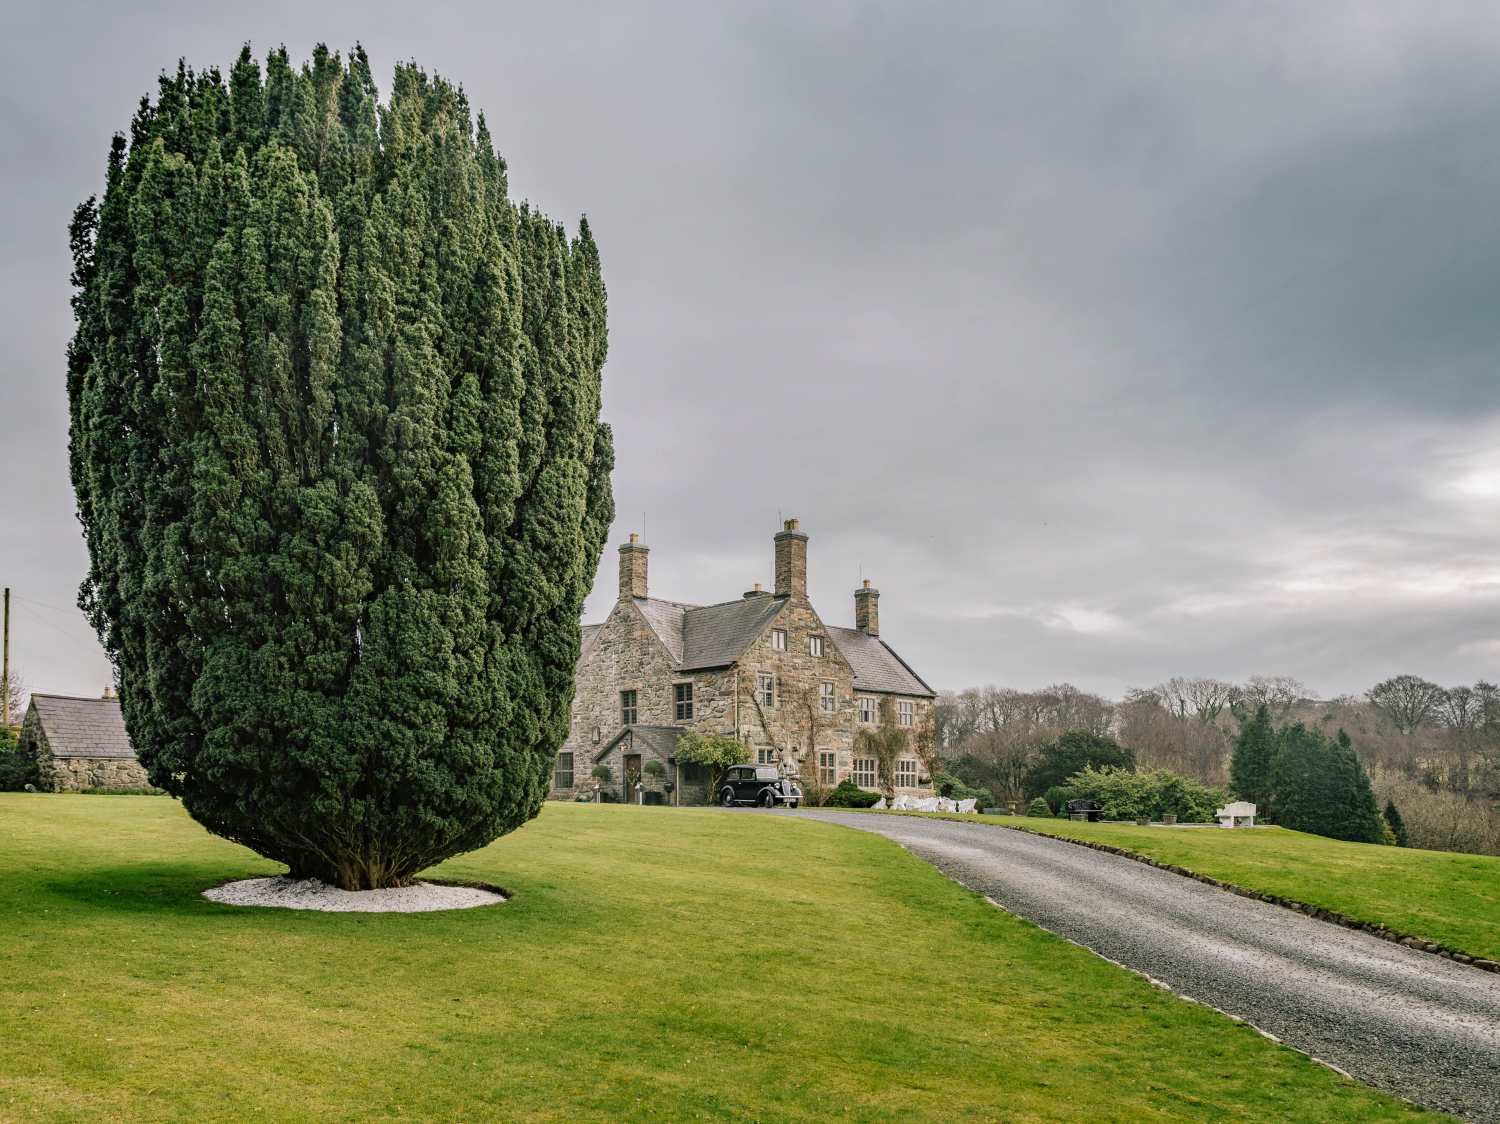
[335,439]
[1250,767]
[1397,825]
[1319,786]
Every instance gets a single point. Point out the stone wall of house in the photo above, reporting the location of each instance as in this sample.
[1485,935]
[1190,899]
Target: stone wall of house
[626,655]
[70,774]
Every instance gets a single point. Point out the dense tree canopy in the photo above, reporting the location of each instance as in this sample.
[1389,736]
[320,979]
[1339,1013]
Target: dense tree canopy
[1072,752]
[1319,786]
[336,445]
[1250,767]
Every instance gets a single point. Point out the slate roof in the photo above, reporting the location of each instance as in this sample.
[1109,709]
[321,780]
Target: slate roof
[661,740]
[703,636]
[876,666]
[715,635]
[83,727]
[698,637]
[586,635]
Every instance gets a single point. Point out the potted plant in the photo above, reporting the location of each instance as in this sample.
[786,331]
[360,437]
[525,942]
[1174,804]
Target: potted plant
[602,776]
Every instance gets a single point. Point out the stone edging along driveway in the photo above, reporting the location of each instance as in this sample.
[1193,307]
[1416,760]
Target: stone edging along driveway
[1333,916]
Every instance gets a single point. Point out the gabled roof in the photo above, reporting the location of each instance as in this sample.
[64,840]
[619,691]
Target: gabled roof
[661,740]
[715,635]
[876,665]
[665,619]
[83,727]
[704,636]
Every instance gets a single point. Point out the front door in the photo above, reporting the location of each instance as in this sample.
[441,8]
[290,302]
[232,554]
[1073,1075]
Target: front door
[632,777]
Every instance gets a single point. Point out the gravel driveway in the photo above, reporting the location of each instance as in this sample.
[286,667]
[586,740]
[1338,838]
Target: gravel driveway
[1408,1022]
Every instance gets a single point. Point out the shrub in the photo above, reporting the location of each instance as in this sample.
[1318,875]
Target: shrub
[1038,807]
[1124,794]
[17,767]
[654,768]
[946,784]
[716,752]
[1057,797]
[602,774]
[850,795]
[334,434]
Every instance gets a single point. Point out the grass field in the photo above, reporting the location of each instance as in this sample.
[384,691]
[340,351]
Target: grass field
[653,963]
[1445,897]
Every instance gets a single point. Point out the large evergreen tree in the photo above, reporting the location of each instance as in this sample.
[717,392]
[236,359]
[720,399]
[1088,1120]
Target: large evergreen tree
[336,445]
[1319,786]
[1071,753]
[1250,767]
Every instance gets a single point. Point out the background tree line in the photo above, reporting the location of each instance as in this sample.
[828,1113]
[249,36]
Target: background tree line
[1433,751]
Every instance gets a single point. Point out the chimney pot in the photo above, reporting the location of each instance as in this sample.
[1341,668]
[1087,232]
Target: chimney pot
[634,537]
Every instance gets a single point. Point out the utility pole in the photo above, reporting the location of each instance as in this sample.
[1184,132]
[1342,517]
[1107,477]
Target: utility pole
[5,682]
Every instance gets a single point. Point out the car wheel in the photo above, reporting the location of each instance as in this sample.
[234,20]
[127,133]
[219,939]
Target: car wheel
[726,798]
[768,799]
[791,803]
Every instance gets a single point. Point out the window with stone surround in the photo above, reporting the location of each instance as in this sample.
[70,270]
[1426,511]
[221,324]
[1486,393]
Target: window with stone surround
[562,777]
[827,703]
[767,756]
[867,710]
[628,709]
[864,772]
[828,767]
[682,702]
[904,713]
[778,639]
[815,645]
[906,773]
[765,689]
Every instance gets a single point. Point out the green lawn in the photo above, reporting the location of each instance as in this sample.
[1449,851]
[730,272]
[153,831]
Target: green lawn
[1444,897]
[653,963]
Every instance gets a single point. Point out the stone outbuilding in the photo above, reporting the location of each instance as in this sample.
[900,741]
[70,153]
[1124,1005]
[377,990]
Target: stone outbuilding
[763,668]
[80,743]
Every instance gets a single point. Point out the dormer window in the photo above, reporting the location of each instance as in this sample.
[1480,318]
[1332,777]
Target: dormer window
[815,645]
[778,639]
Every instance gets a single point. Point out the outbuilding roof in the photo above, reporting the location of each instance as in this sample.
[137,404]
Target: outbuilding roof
[77,727]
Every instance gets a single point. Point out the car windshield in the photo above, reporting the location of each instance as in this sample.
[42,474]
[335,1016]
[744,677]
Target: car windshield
[766,773]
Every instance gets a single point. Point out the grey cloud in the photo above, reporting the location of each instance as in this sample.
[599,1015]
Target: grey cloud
[1098,335]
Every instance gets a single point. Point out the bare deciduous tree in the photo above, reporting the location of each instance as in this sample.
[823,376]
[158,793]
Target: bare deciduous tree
[1277,693]
[1408,700]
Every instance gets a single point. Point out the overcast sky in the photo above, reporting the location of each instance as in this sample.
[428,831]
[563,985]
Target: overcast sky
[1111,341]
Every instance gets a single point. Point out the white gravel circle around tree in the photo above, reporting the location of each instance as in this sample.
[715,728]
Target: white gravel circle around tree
[282,892]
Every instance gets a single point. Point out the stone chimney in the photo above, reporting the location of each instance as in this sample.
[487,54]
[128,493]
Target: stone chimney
[633,568]
[791,561]
[867,609]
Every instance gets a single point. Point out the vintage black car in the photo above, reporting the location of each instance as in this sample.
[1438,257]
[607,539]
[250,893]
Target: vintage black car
[761,785]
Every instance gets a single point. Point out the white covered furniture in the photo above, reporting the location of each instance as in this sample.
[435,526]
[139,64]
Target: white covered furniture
[1241,813]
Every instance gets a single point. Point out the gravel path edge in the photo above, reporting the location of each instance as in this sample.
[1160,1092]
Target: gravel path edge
[1332,916]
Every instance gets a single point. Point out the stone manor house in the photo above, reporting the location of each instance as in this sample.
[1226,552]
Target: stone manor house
[763,667]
